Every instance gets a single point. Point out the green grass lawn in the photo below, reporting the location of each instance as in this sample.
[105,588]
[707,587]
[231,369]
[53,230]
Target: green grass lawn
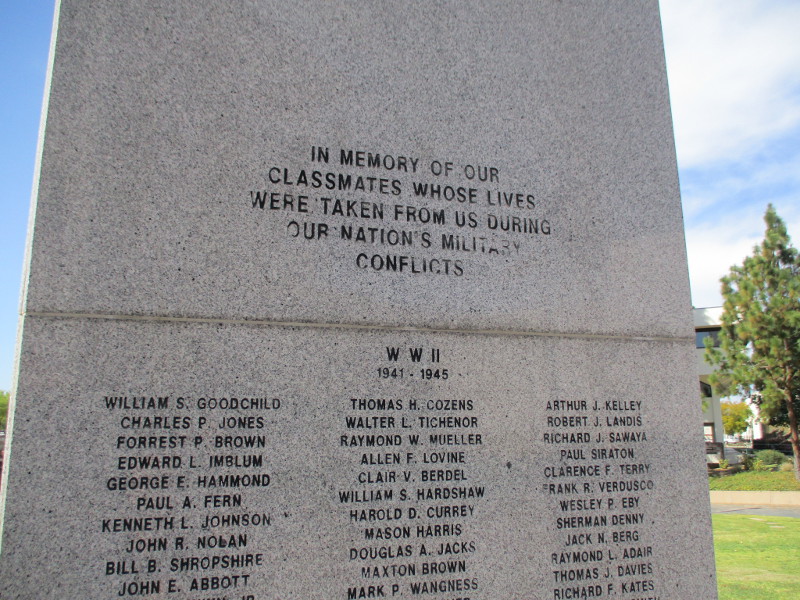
[758,558]
[756,481]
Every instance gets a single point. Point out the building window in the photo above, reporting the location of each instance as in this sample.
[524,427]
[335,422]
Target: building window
[705,390]
[701,334]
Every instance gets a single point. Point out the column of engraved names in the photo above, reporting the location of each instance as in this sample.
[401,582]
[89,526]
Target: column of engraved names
[413,496]
[629,485]
[597,491]
[184,473]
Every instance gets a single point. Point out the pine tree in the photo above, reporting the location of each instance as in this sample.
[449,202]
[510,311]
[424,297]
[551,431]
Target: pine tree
[759,352]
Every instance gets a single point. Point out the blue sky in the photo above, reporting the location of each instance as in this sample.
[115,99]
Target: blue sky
[24,48]
[734,71]
[734,76]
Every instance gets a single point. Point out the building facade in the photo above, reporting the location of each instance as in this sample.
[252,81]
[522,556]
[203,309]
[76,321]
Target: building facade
[707,325]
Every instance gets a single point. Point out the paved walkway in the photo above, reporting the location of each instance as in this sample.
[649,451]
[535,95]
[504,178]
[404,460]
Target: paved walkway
[733,455]
[756,510]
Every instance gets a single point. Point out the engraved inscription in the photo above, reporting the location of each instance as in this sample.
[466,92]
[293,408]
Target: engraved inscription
[209,459]
[401,214]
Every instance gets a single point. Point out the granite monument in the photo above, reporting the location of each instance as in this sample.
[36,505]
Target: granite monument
[356,300]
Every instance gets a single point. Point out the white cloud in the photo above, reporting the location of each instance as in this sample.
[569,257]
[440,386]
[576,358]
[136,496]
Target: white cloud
[734,74]
[754,183]
[713,248]
[712,252]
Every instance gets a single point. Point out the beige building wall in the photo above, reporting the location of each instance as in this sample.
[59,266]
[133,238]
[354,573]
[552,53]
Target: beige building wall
[707,323]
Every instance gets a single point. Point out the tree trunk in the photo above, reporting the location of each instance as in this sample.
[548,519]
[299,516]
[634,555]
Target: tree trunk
[793,433]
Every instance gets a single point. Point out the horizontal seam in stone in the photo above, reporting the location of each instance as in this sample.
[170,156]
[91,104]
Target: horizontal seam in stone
[488,332]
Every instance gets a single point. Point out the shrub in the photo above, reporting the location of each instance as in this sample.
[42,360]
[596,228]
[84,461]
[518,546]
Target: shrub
[770,457]
[747,462]
[758,465]
[724,464]
[787,466]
